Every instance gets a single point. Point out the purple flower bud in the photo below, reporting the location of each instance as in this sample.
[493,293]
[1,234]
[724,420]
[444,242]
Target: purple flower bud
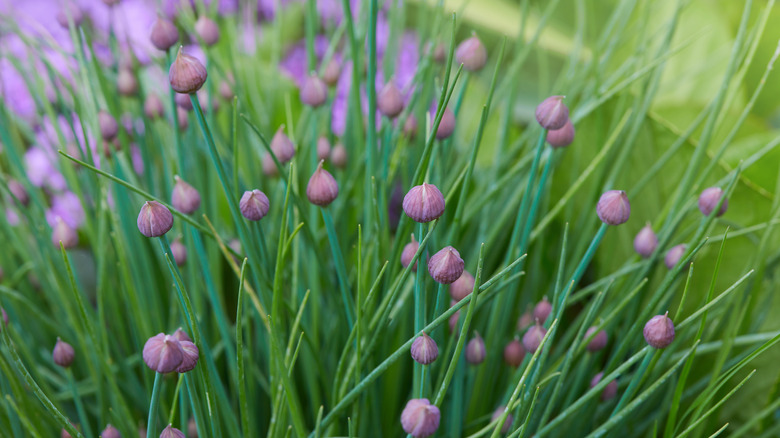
[110,431]
[126,83]
[475,350]
[282,146]
[182,118]
[153,107]
[338,156]
[179,252]
[109,128]
[507,423]
[659,331]
[183,101]
[207,30]
[389,101]
[20,193]
[225,90]
[598,342]
[709,199]
[552,113]
[190,355]
[424,349]
[163,353]
[439,53]
[164,34]
[525,321]
[63,353]
[563,137]
[408,254]
[181,336]
[610,391]
[532,339]
[323,148]
[471,53]
[314,92]
[542,310]
[462,287]
[154,219]
[410,126]
[446,266]
[453,321]
[613,207]
[447,125]
[332,72]
[645,241]
[171,432]
[420,418]
[75,14]
[323,188]
[254,205]
[514,353]
[184,197]
[674,255]
[269,166]
[424,203]
[62,232]
[186,74]
[192,428]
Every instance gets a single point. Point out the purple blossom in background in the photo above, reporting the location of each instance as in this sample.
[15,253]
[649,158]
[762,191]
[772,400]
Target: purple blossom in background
[41,169]
[66,206]
[15,93]
[132,21]
[171,8]
[295,64]
[12,216]
[138,161]
[266,9]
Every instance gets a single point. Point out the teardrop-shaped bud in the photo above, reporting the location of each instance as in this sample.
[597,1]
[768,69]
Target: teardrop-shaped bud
[181,336]
[323,188]
[154,219]
[282,146]
[507,423]
[179,252]
[189,357]
[598,342]
[153,107]
[171,432]
[610,391]
[323,148]
[182,118]
[110,431]
[562,137]
[63,353]
[424,203]
[408,254]
[420,418]
[20,193]
[446,266]
[439,53]
[269,166]
[186,74]
[184,197]
[109,127]
[424,349]
[453,321]
[709,199]
[314,92]
[164,34]
[207,30]
[410,126]
[183,101]
[254,205]
[542,310]
[62,232]
[613,207]
[475,350]
[332,72]
[674,255]
[226,91]
[514,353]
[338,156]
[446,126]
[645,241]
[389,101]
[532,338]
[126,83]
[192,428]
[462,287]
[162,353]
[524,321]
[552,113]
[659,331]
[75,13]
[471,53]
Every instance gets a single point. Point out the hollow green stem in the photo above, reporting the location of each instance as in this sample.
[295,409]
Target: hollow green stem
[419,310]
[79,405]
[341,270]
[150,422]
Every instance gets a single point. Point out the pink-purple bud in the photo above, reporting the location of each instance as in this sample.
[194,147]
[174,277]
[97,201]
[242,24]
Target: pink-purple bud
[420,418]
[453,321]
[524,321]
[709,199]
[75,14]
[63,353]
[424,349]
[475,350]
[446,266]
[462,287]
[659,331]
[332,72]
[207,30]
[424,203]
[610,391]
[186,74]
[269,166]
[162,353]
[338,156]
[109,127]
[180,335]
[179,252]
[562,137]
[552,113]
[446,125]
[408,254]
[189,358]
[20,193]
[598,342]
[471,53]
[254,205]
[154,219]
[514,353]
[532,338]
[542,310]
[674,255]
[439,53]
[192,428]
[314,92]
[497,415]
[153,107]
[126,83]
[183,101]
[110,432]
[645,241]
[164,34]
[389,101]
[410,126]
[225,90]
[182,118]
[323,188]
[323,148]
[171,432]
[184,197]
[282,146]
[613,207]
[62,232]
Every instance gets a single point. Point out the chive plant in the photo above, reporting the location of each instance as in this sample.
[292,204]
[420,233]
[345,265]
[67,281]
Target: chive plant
[378,218]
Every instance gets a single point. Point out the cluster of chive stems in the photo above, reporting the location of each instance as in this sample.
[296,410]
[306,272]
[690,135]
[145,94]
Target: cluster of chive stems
[178,353]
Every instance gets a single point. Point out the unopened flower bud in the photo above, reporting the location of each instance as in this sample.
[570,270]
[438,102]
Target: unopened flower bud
[183,119]
[164,34]
[162,353]
[63,233]
[610,391]
[453,321]
[109,127]
[154,219]
[446,266]
[254,205]
[674,255]
[598,342]
[525,321]
[645,241]
[659,331]
[323,148]
[389,101]
[323,188]
[507,423]
[410,126]
[20,193]
[75,14]
[207,30]
[613,207]
[471,53]
[462,287]
[189,358]
[532,338]
[179,252]
[225,90]
[475,350]
[420,418]
[408,254]
[282,146]
[552,113]
[424,349]
[446,125]
[153,107]
[562,137]
[110,431]
[126,83]
[184,197]
[424,203]
[332,72]
[186,74]
[514,353]
[338,156]
[171,432]
[192,428]
[269,166]
[709,199]
[314,92]
[542,310]
[63,353]
[183,101]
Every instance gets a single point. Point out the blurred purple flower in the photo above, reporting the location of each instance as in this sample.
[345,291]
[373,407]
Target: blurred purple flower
[130,20]
[171,8]
[67,207]
[295,63]
[41,170]
[266,9]
[138,161]
[15,93]
[12,216]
